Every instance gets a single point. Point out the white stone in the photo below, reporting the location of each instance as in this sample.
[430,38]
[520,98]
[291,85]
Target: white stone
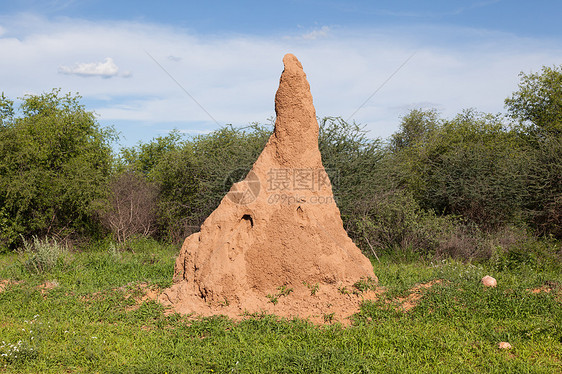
[488,281]
[504,345]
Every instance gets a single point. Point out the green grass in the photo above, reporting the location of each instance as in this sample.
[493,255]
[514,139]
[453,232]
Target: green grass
[87,323]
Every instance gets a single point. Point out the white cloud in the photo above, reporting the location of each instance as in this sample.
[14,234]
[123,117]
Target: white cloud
[235,77]
[105,69]
[317,33]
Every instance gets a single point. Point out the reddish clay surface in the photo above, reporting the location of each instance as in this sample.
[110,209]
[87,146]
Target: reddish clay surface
[280,227]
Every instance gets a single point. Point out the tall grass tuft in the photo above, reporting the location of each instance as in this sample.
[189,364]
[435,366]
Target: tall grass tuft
[42,255]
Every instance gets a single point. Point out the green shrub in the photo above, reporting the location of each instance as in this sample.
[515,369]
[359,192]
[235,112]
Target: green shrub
[353,161]
[537,254]
[391,220]
[40,256]
[55,161]
[471,166]
[544,206]
[194,175]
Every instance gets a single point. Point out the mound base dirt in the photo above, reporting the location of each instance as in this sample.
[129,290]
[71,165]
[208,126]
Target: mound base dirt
[276,242]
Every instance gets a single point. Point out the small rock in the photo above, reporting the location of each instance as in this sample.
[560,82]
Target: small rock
[488,281]
[504,345]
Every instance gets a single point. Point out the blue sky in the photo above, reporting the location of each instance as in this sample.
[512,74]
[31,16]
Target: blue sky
[134,61]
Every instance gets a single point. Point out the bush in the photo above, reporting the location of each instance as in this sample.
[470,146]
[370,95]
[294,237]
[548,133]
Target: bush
[391,221]
[536,107]
[194,175]
[537,254]
[54,164]
[353,161]
[440,188]
[415,128]
[131,206]
[40,256]
[544,206]
[472,166]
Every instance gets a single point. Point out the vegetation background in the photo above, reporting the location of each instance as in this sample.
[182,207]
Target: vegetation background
[471,187]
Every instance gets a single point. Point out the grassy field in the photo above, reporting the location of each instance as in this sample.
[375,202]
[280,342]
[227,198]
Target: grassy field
[83,312]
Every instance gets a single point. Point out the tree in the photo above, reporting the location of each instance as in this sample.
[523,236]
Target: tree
[539,100]
[472,165]
[193,175]
[352,160]
[55,162]
[537,105]
[415,127]
[6,109]
[145,156]
[131,208]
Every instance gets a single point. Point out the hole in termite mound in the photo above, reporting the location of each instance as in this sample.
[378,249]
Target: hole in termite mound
[248,218]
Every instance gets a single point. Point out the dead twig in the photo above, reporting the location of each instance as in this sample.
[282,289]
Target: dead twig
[372,249]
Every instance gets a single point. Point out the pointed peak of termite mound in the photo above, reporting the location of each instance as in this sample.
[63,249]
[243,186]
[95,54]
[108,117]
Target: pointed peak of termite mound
[296,128]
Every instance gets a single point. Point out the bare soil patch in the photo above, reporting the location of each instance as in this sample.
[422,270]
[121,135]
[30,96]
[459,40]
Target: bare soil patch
[416,293]
[5,283]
